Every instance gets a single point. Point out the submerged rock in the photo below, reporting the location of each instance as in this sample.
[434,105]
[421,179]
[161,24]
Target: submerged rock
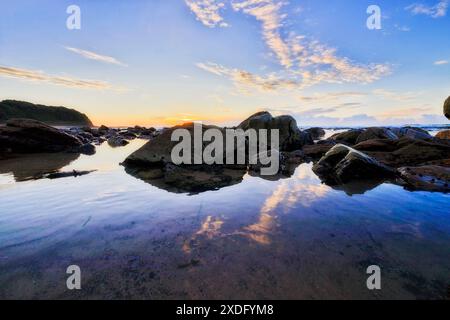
[31,136]
[343,164]
[117,141]
[426,178]
[74,173]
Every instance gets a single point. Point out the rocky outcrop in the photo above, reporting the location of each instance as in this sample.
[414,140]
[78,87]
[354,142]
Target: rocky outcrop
[343,164]
[11,109]
[291,137]
[443,135]
[315,133]
[31,136]
[426,178]
[447,108]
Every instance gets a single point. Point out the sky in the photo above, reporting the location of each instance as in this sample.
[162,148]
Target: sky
[163,62]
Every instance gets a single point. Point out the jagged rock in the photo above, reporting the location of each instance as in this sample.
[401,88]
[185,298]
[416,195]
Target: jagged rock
[447,108]
[343,164]
[31,136]
[316,133]
[291,137]
[444,135]
[426,178]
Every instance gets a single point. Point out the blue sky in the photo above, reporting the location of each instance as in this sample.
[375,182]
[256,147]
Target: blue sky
[161,62]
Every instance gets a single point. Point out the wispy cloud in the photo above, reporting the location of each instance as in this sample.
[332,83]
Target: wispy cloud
[208,12]
[436,11]
[304,61]
[440,62]
[95,56]
[39,76]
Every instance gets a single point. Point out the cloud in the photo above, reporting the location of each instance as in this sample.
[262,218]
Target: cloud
[95,56]
[440,62]
[208,12]
[395,95]
[39,76]
[437,11]
[305,62]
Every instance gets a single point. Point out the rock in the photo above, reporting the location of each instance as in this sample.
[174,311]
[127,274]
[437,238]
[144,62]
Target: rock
[405,151]
[74,173]
[317,151]
[376,133]
[291,137]
[343,164]
[87,149]
[447,108]
[117,141]
[413,133]
[426,178]
[31,136]
[347,137]
[316,133]
[444,135]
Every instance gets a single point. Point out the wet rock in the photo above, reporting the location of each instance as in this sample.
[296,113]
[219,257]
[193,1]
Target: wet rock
[376,133]
[117,141]
[315,133]
[405,151]
[291,137]
[318,150]
[347,137]
[444,135]
[103,129]
[87,149]
[412,133]
[426,178]
[447,108]
[31,136]
[343,164]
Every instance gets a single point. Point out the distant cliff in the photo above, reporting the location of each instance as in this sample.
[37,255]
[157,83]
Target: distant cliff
[10,109]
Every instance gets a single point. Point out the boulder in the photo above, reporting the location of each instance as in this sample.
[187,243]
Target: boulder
[31,136]
[291,137]
[117,141]
[412,132]
[317,151]
[426,178]
[443,135]
[405,151]
[376,133]
[316,133]
[343,164]
[447,108]
[347,137]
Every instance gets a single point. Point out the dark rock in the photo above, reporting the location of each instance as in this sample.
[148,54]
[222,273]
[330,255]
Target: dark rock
[117,141]
[376,133]
[87,149]
[74,173]
[413,133]
[317,151]
[347,137]
[31,136]
[11,109]
[343,164]
[426,178]
[316,133]
[447,108]
[291,137]
[444,135]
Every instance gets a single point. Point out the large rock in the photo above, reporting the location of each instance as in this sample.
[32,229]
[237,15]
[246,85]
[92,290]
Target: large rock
[447,108]
[343,164]
[291,137]
[316,133]
[443,135]
[31,136]
[426,178]
[376,133]
[405,151]
[347,137]
[412,132]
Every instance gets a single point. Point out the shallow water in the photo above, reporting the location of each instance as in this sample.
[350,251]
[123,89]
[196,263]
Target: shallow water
[293,238]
